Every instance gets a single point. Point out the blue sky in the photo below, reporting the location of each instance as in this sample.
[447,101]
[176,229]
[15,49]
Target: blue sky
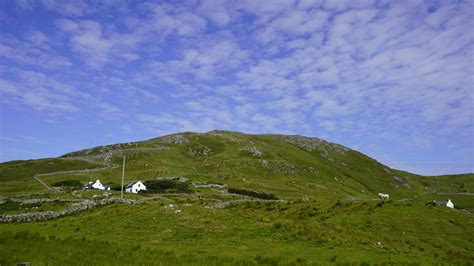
[392,79]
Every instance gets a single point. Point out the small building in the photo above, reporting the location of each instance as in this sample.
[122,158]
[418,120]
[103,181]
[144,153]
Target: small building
[135,187]
[95,185]
[448,203]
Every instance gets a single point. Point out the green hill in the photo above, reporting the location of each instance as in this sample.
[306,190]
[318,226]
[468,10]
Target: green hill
[329,209]
[289,166]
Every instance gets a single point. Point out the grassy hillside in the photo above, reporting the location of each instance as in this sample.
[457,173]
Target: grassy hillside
[16,177]
[292,166]
[251,233]
[329,210]
[289,166]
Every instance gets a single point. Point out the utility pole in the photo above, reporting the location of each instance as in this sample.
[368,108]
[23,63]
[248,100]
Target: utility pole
[123,176]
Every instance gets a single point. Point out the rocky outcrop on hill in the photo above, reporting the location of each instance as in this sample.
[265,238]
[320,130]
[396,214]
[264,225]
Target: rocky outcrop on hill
[312,144]
[200,151]
[173,139]
[224,135]
[282,168]
[400,182]
[253,151]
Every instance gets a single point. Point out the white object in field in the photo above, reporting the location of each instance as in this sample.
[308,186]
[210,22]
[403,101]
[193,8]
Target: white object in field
[96,185]
[448,203]
[135,187]
[383,196]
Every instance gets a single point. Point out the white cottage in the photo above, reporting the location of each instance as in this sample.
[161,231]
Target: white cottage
[96,185]
[135,187]
[448,203]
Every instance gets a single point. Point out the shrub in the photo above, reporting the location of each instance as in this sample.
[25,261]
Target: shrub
[72,183]
[115,186]
[254,194]
[166,185]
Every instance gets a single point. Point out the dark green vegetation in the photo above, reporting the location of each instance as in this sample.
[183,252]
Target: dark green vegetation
[329,213]
[254,194]
[69,183]
[166,185]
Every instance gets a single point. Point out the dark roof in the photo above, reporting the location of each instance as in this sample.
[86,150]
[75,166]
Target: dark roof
[131,184]
[89,185]
[441,202]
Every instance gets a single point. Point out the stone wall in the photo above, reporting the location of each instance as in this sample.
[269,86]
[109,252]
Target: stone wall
[83,205]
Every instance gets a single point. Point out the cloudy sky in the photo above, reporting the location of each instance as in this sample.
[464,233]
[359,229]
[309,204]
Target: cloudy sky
[393,79]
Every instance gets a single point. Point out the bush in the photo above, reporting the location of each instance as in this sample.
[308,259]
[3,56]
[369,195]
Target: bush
[254,194]
[72,183]
[166,185]
[115,186]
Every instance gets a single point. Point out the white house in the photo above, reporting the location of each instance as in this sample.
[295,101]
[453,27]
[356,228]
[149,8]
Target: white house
[135,187]
[448,203]
[96,185]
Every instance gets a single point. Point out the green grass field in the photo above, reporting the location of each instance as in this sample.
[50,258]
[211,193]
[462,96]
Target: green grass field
[329,213]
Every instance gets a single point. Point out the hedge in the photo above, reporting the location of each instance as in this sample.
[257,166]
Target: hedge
[254,194]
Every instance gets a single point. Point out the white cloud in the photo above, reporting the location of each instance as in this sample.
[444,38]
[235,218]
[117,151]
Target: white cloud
[36,52]
[392,71]
[88,40]
[39,92]
[215,10]
[66,7]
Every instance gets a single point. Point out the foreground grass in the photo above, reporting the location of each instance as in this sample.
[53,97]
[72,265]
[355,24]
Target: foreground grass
[25,246]
[247,233]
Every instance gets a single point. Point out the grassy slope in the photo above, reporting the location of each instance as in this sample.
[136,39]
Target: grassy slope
[16,177]
[360,174]
[300,231]
[315,230]
[320,171]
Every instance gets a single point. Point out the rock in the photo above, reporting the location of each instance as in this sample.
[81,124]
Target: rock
[400,182]
[81,205]
[173,139]
[253,151]
[278,168]
[205,184]
[312,144]
[201,151]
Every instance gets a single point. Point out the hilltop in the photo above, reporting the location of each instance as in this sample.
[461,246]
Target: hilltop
[326,204]
[290,166]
